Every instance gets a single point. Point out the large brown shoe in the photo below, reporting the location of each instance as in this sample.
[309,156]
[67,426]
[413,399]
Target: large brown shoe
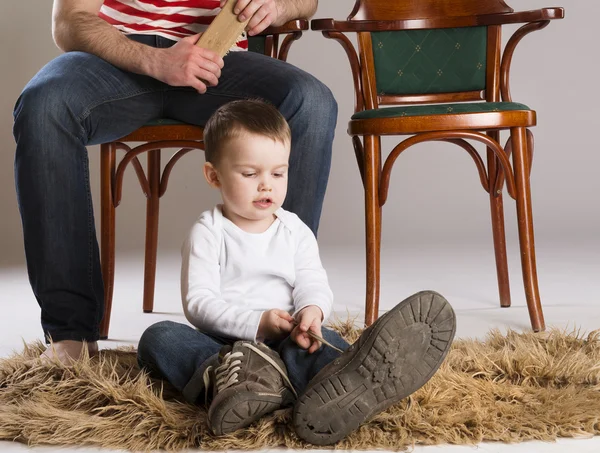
[393,358]
[251,381]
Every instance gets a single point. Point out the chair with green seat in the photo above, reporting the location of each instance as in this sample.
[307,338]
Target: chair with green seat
[154,137]
[441,63]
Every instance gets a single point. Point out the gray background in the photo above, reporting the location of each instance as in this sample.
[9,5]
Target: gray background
[435,192]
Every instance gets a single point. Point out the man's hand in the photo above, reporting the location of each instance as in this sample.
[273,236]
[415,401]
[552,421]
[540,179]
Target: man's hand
[262,13]
[186,64]
[309,318]
[275,324]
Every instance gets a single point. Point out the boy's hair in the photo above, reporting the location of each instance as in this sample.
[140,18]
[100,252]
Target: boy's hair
[249,115]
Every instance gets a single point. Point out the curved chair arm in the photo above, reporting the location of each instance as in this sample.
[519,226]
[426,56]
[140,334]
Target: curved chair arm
[354,64]
[289,27]
[293,31]
[331,25]
[509,51]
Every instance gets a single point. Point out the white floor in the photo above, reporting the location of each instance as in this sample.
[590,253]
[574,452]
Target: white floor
[569,278]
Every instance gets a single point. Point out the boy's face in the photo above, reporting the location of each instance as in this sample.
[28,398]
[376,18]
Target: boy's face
[251,174]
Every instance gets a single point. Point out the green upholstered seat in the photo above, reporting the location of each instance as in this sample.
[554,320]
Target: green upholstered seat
[163,122]
[439,109]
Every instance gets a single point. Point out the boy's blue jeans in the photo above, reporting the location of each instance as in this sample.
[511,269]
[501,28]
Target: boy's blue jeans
[179,354]
[78,100]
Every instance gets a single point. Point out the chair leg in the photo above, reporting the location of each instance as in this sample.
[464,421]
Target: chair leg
[498,233]
[497,210]
[152,207]
[107,234]
[372,169]
[525,223]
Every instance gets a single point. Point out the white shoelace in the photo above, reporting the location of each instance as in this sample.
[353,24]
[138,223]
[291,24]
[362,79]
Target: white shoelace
[227,372]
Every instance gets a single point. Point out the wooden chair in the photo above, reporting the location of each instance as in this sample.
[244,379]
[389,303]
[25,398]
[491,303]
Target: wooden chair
[433,58]
[159,135]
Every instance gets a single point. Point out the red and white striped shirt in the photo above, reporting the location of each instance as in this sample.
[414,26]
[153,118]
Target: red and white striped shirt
[172,19]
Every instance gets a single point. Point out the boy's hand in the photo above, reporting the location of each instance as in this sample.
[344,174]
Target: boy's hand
[309,318]
[275,324]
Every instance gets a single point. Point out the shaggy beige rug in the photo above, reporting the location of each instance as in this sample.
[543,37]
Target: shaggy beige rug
[508,388]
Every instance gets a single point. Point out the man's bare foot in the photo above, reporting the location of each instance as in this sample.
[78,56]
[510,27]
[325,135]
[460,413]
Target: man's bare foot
[68,351]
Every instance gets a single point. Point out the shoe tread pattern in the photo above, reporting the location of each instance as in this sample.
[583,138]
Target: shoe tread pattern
[398,356]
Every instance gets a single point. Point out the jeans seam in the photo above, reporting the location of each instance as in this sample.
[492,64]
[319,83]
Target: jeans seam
[90,265]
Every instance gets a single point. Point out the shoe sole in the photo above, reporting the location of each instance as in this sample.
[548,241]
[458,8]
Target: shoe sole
[401,352]
[240,410]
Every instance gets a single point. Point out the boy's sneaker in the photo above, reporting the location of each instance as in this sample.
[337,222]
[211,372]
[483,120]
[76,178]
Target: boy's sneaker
[393,358]
[250,381]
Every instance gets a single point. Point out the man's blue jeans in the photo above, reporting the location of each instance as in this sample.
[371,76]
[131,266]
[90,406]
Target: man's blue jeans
[179,354]
[78,100]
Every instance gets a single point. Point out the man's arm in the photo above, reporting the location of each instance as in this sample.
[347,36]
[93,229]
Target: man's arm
[296,9]
[77,27]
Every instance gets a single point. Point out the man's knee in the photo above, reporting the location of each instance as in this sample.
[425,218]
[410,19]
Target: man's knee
[46,103]
[311,97]
[35,105]
[56,96]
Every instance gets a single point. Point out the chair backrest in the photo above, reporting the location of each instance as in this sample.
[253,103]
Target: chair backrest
[446,57]
[269,45]
[423,9]
[257,44]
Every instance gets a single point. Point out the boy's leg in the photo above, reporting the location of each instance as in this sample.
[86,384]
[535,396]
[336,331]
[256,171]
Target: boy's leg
[75,100]
[306,103]
[393,358]
[179,354]
[302,366]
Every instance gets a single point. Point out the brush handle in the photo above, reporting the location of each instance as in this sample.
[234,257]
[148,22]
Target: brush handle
[224,30]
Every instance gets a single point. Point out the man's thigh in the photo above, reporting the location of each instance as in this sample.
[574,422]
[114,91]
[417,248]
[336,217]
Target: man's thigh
[245,75]
[98,100]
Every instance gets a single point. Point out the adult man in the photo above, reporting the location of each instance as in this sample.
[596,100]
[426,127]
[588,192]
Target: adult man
[128,62]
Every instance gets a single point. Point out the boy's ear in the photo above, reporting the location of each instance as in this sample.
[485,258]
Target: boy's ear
[211,176]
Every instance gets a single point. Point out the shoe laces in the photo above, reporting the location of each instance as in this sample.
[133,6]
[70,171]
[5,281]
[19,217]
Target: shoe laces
[227,374]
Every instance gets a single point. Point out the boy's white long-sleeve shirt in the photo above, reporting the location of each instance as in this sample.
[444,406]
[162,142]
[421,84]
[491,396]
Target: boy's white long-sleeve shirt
[229,277]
